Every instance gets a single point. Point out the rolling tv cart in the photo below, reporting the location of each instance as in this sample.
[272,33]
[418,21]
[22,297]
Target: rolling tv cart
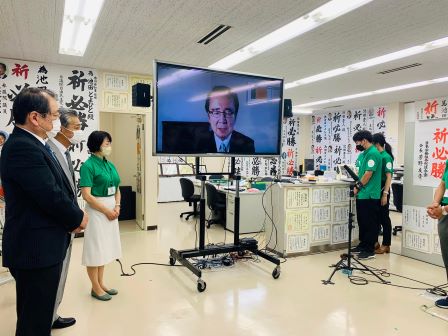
[238,245]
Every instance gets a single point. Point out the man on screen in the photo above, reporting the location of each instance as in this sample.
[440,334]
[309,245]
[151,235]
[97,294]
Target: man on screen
[222,106]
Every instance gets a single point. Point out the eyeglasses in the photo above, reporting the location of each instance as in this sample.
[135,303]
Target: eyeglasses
[216,113]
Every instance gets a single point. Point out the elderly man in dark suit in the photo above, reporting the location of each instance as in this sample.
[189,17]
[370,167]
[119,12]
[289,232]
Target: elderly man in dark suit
[222,107]
[69,133]
[41,211]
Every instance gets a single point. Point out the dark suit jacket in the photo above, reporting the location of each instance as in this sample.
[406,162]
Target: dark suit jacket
[40,205]
[239,143]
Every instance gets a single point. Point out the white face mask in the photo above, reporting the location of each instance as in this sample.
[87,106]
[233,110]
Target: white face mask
[77,137]
[106,151]
[55,130]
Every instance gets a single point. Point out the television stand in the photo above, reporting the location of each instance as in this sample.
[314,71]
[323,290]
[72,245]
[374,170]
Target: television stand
[239,245]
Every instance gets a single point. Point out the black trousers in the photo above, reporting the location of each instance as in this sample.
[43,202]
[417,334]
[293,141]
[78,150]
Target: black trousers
[367,211]
[385,223]
[36,295]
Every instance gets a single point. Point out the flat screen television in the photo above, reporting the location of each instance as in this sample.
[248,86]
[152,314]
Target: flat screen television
[205,112]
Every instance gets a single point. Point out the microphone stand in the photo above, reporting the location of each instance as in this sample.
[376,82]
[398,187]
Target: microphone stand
[346,263]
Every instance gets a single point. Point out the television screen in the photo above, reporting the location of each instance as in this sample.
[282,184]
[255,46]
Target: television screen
[208,112]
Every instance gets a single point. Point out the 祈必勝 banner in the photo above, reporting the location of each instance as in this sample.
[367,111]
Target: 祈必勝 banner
[76,89]
[257,166]
[332,134]
[430,152]
[430,109]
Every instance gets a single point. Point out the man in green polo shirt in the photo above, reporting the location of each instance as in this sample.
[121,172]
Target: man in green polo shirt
[368,194]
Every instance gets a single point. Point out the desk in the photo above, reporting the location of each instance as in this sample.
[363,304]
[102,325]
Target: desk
[309,217]
[251,210]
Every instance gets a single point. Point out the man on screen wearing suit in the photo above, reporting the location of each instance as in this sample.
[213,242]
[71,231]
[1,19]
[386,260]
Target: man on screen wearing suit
[222,107]
[41,211]
[67,133]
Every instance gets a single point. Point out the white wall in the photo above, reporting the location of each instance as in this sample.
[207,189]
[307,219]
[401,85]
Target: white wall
[122,128]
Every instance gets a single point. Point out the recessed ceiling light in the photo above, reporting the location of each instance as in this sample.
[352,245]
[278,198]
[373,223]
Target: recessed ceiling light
[440,43]
[325,13]
[77,25]
[376,92]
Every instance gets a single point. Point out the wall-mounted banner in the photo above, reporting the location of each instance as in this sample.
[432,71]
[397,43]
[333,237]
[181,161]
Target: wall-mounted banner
[430,152]
[332,134]
[289,161]
[76,88]
[430,109]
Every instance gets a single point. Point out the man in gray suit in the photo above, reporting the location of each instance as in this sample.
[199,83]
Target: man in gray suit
[65,136]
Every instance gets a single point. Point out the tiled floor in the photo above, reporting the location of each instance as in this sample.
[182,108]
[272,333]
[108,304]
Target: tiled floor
[239,300]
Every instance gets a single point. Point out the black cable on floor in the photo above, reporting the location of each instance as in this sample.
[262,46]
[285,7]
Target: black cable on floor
[361,281]
[146,263]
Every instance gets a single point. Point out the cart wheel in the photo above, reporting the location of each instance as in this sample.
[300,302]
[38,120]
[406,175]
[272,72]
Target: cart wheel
[201,285]
[276,272]
[172,261]
[241,253]
[394,232]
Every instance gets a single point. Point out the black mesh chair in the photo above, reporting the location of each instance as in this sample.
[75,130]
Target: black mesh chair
[267,179]
[216,202]
[397,190]
[187,187]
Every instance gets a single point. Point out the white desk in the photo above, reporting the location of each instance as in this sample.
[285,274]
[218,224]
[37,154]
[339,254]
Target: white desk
[309,217]
[251,210]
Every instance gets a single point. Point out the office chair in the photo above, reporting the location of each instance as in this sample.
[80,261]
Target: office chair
[187,187]
[397,190]
[216,202]
[267,179]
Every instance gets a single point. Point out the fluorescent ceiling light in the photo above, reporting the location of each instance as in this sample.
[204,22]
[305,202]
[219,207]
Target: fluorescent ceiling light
[325,13]
[376,92]
[77,25]
[440,43]
[296,110]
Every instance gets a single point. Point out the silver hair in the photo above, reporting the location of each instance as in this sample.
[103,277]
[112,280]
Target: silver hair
[65,115]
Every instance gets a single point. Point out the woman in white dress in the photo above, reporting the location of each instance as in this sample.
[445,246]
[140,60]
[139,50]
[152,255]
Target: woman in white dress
[99,187]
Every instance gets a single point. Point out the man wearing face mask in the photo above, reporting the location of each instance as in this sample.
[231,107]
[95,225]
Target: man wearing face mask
[41,211]
[368,194]
[65,133]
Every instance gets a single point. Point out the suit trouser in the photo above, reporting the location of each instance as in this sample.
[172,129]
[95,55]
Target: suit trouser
[367,211]
[36,295]
[62,280]
[443,236]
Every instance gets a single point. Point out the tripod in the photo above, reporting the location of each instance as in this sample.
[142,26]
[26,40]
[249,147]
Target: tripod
[346,262]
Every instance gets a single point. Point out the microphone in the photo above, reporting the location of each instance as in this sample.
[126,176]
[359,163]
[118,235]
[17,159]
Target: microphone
[355,177]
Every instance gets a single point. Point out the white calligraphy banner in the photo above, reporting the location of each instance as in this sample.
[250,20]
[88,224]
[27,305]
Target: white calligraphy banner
[430,109]
[257,166]
[332,134]
[430,152]
[76,89]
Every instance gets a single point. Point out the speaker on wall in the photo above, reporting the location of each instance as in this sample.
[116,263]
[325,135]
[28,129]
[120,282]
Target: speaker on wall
[141,95]
[287,108]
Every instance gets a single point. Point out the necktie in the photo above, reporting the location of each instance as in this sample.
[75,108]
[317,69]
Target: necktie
[222,148]
[58,165]
[47,147]
[70,165]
